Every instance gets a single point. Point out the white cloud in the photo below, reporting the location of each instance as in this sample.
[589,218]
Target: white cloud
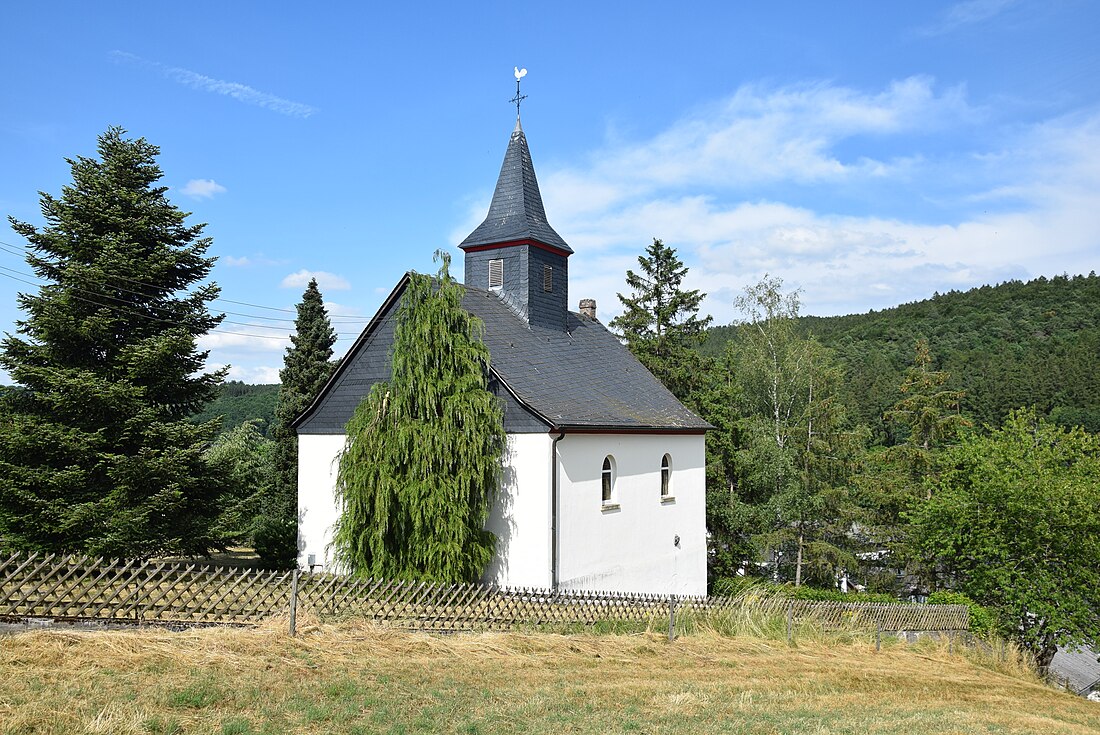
[202,188]
[325,281]
[967,13]
[260,374]
[273,340]
[1024,205]
[763,136]
[344,313]
[248,261]
[236,90]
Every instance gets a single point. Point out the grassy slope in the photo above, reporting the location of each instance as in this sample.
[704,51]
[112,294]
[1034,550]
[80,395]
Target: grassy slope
[358,679]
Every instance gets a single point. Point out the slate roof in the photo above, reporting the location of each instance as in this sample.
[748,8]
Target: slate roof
[516,212]
[582,377]
[1080,668]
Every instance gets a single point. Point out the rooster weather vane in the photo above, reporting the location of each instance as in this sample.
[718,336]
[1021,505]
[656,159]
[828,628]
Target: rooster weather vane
[520,74]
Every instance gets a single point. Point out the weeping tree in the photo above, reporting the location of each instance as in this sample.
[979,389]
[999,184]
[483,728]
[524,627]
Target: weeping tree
[423,455]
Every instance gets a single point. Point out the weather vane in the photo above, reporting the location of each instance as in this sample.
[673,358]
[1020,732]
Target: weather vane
[520,74]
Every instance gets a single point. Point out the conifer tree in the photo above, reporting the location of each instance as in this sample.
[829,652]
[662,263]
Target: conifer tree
[96,452]
[306,369]
[898,478]
[423,456]
[661,324]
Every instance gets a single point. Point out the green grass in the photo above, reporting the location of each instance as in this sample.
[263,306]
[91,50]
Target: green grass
[352,679]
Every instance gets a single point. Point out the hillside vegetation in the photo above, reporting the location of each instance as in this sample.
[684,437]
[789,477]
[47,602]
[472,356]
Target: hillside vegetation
[1011,345]
[238,402]
[355,678]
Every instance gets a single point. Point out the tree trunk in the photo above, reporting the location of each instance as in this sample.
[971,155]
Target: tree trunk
[1045,655]
[798,563]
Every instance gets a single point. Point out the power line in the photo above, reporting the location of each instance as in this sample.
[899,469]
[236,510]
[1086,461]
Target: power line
[135,293]
[348,318]
[126,310]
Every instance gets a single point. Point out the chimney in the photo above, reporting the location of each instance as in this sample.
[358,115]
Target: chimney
[588,309]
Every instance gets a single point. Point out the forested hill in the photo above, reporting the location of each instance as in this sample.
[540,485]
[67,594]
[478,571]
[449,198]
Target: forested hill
[239,402]
[1014,344]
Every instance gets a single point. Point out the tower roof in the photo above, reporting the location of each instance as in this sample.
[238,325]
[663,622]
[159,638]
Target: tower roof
[516,212]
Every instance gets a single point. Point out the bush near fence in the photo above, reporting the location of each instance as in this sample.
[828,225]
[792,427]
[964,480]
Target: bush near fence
[84,588]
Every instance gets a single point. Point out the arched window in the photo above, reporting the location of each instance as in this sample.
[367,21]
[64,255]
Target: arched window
[607,480]
[666,476]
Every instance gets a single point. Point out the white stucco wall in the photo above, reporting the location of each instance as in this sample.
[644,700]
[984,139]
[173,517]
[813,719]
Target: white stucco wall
[520,518]
[317,466]
[630,546]
[627,548]
[521,515]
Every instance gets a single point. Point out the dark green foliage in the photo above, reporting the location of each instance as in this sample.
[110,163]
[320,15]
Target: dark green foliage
[733,586]
[420,468]
[783,449]
[1015,344]
[818,594]
[244,455]
[239,402]
[306,369]
[981,621]
[890,480]
[661,323]
[96,452]
[928,412]
[1013,522]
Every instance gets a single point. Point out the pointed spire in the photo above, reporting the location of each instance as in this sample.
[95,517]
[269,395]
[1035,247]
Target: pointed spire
[516,212]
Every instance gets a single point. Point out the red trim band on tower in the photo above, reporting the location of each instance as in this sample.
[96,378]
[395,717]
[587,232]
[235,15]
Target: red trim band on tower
[532,243]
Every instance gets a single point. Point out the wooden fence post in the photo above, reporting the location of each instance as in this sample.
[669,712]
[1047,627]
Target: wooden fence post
[878,634]
[671,618]
[294,603]
[790,622]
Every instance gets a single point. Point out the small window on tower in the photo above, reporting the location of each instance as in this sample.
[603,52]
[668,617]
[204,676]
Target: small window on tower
[548,278]
[496,273]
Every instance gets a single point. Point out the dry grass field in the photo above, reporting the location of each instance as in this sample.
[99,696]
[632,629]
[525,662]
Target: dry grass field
[355,678]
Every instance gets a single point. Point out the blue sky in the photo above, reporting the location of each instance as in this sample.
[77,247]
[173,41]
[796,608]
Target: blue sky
[868,153]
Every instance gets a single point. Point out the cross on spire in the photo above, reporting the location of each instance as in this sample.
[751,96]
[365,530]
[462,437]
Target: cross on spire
[520,74]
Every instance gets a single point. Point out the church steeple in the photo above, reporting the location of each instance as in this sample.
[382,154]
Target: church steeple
[516,212]
[515,252]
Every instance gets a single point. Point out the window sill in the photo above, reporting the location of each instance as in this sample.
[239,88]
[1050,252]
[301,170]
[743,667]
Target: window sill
[668,500]
[609,506]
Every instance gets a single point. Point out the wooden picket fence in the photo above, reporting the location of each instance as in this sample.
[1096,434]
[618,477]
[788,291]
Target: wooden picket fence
[84,588]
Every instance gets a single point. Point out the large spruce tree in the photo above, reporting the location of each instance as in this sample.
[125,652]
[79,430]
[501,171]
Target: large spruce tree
[306,368]
[419,472]
[661,323]
[96,453]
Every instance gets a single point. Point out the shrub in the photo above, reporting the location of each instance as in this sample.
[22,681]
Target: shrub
[982,621]
[733,586]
